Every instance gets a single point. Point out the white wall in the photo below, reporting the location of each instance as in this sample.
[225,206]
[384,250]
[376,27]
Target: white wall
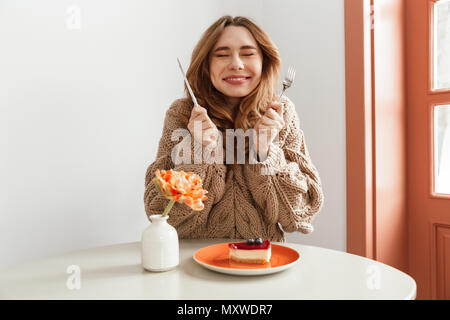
[310,36]
[82,104]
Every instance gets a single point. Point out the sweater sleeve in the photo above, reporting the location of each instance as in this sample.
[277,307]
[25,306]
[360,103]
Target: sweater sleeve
[187,221]
[286,185]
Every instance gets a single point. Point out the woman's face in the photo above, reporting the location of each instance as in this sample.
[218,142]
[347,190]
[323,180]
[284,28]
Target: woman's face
[236,63]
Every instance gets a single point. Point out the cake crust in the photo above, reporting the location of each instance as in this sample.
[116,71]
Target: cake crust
[255,261]
[246,252]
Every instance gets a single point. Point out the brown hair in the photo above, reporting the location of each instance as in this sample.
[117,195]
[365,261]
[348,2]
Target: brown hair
[251,106]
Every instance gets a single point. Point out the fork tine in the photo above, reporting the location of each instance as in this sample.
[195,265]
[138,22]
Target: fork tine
[288,74]
[287,81]
[291,73]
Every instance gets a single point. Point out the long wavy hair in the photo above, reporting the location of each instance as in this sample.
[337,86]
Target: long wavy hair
[251,106]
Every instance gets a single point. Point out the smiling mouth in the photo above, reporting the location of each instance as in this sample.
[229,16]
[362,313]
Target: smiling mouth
[236,78]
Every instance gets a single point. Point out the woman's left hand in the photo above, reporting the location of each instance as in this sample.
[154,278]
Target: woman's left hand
[268,126]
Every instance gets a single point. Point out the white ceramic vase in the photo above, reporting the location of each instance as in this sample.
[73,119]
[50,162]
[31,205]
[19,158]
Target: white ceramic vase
[159,245]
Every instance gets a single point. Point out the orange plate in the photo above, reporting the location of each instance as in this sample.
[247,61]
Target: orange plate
[217,256]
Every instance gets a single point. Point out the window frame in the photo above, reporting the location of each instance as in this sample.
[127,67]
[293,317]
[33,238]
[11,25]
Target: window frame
[436,97]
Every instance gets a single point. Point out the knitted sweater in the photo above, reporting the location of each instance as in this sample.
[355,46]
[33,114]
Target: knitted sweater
[242,202]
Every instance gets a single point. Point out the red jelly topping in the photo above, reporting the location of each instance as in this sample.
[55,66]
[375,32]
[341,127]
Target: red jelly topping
[246,246]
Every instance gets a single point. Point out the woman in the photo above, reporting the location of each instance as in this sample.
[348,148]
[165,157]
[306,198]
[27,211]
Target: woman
[234,74]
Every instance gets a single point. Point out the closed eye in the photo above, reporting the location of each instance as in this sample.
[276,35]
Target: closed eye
[225,55]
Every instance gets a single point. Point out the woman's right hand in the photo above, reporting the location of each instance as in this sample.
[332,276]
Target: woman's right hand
[208,133]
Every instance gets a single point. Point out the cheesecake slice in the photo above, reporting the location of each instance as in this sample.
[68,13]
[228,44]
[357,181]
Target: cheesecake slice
[250,251]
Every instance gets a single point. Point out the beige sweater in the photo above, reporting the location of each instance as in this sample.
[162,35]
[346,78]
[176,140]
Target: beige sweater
[242,202]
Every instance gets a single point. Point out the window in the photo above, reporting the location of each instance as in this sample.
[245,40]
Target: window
[441,82]
[442,149]
[441,63]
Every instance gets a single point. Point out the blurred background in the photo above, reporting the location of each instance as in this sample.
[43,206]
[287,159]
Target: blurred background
[84,86]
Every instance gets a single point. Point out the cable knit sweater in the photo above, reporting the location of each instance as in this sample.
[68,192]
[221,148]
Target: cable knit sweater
[242,202]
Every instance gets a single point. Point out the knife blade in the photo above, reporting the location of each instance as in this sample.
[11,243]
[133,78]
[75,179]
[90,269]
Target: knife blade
[187,84]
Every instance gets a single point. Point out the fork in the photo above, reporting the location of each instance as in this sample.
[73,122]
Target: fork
[288,79]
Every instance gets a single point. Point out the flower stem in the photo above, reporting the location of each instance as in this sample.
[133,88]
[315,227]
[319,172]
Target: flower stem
[169,206]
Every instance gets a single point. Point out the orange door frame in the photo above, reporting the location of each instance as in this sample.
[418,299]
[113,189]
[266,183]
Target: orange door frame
[377,224]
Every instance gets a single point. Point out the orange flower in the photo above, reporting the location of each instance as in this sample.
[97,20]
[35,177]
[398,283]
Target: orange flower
[182,187]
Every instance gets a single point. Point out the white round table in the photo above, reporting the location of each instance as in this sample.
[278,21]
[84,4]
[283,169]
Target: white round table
[115,272]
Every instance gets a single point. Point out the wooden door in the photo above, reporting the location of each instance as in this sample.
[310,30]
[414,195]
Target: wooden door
[428,145]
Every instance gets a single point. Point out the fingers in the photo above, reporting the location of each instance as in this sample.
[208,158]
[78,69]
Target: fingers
[272,114]
[200,114]
[196,113]
[208,134]
[271,123]
[206,123]
[267,122]
[198,110]
[210,137]
[277,106]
